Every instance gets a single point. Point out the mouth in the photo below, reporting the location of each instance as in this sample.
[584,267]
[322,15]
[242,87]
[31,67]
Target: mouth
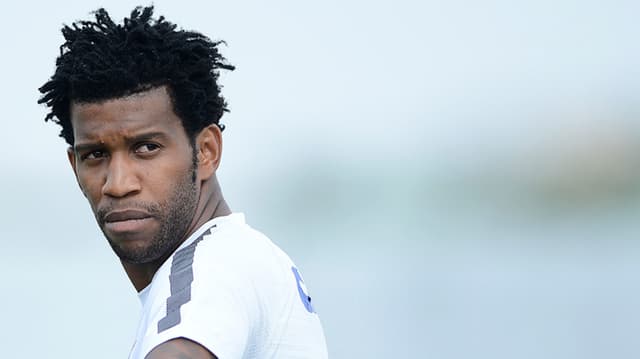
[126,221]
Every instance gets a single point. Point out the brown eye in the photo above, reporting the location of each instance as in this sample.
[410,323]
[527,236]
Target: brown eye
[147,147]
[93,155]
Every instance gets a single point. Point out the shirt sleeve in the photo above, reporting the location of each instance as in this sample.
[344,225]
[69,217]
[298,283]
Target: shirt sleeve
[211,301]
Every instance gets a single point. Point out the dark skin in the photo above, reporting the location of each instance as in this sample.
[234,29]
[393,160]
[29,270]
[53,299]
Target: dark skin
[133,162]
[179,348]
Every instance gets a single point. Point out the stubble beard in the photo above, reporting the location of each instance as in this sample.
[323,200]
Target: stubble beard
[175,215]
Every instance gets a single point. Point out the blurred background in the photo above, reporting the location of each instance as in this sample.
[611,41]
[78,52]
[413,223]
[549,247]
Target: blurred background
[454,179]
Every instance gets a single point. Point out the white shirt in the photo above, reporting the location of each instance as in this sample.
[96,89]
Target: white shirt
[233,291]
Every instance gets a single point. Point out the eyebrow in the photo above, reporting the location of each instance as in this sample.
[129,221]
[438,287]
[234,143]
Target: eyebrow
[79,147]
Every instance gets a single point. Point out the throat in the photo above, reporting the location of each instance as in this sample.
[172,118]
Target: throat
[141,275]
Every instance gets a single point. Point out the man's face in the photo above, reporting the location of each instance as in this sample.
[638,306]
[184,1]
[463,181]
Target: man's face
[134,163]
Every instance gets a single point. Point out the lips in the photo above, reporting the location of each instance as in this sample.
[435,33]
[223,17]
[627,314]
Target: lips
[130,214]
[127,221]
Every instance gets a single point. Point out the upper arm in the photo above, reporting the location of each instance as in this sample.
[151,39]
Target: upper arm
[180,348]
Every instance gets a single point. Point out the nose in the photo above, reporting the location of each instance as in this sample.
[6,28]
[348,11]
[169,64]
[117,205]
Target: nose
[121,179]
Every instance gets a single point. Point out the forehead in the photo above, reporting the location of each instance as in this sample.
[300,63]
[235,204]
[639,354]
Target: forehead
[124,116]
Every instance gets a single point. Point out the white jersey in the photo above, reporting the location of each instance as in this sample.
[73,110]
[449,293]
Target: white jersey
[233,291]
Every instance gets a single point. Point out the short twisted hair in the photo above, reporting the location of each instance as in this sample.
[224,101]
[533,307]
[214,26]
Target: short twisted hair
[102,60]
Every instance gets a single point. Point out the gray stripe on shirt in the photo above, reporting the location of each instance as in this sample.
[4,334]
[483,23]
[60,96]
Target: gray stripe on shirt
[180,281]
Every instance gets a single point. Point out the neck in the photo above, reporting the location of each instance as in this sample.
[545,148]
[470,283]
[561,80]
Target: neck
[211,204]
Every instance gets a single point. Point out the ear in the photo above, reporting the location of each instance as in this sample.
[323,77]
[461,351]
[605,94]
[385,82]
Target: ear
[209,151]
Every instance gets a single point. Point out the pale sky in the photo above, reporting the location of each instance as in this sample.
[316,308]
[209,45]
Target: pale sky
[386,89]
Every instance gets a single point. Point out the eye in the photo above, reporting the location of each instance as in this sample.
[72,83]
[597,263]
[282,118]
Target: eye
[146,148]
[93,155]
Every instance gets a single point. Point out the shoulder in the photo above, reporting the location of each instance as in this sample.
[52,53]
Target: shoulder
[244,265]
[229,290]
[236,248]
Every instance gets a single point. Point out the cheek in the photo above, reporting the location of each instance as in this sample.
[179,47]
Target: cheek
[162,178]
[90,185]
[175,176]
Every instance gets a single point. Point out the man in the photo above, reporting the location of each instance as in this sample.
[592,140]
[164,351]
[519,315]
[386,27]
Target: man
[139,106]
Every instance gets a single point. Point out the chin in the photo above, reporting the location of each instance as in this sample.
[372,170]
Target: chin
[137,252]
